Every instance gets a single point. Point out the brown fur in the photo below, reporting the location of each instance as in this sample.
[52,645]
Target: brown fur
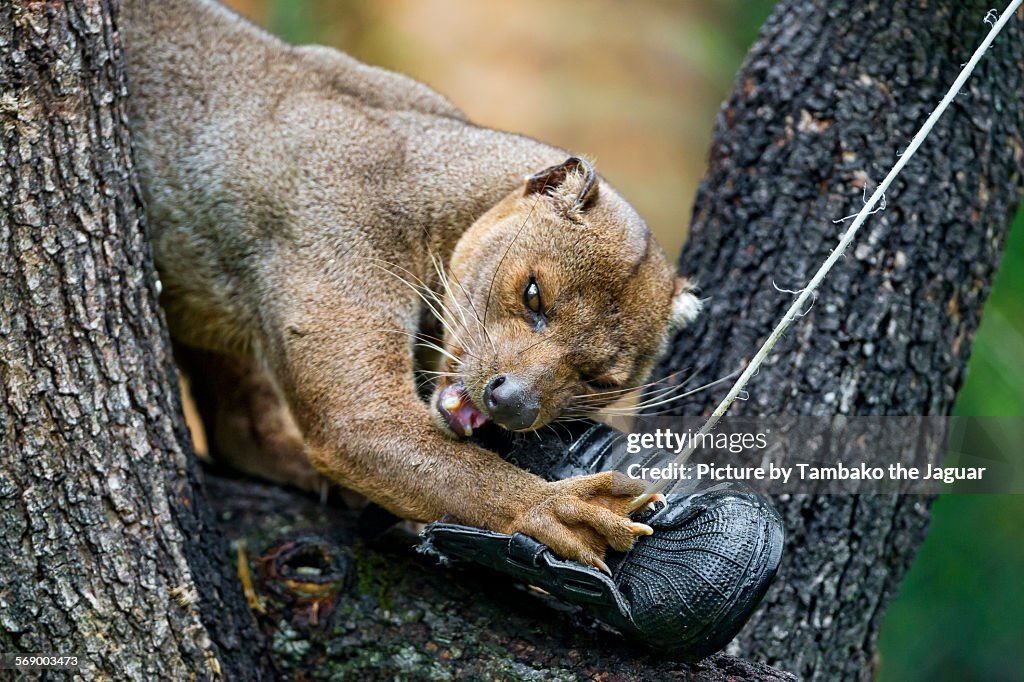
[289,192]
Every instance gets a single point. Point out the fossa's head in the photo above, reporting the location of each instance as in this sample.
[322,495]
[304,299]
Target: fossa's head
[555,301]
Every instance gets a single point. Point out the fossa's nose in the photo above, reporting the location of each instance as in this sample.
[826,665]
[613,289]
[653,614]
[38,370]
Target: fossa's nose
[510,402]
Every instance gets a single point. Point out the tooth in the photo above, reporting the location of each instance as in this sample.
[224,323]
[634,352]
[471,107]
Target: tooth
[468,431]
[451,402]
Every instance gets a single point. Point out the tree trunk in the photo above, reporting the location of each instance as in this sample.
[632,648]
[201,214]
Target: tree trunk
[109,549]
[828,96]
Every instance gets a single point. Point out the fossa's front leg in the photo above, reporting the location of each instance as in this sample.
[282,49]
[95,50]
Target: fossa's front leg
[350,384]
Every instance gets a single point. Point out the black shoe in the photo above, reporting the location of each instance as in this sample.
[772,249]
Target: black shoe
[685,591]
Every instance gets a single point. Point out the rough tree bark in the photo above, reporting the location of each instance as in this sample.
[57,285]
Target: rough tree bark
[109,551]
[828,95]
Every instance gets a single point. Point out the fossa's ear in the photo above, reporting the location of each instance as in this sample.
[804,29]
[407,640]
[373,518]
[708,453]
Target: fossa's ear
[574,181]
[685,306]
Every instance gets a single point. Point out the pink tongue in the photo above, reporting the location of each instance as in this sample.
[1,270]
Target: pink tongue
[462,414]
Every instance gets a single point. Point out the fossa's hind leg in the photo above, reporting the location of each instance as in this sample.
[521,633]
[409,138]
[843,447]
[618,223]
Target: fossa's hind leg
[248,425]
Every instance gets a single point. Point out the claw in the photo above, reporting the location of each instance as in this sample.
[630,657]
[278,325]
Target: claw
[602,566]
[643,501]
[640,529]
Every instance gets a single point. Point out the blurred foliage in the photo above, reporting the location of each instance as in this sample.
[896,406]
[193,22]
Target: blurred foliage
[995,376]
[958,615]
[570,72]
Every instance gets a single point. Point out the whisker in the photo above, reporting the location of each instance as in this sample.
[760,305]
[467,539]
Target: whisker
[656,400]
[480,322]
[661,392]
[635,409]
[442,274]
[419,336]
[570,416]
[442,351]
[423,382]
[670,379]
[439,269]
[434,303]
[494,275]
[553,424]
[549,337]
[430,299]
[425,293]
[620,393]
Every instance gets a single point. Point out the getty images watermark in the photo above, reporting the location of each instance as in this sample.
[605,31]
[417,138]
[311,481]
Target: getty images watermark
[831,454]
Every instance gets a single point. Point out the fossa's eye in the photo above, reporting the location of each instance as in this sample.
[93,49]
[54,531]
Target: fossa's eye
[597,384]
[531,296]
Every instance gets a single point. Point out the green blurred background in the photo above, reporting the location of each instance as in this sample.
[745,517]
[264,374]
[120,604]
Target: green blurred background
[637,86]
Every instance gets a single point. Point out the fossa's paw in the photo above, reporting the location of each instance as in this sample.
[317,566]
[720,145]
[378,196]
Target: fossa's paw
[580,518]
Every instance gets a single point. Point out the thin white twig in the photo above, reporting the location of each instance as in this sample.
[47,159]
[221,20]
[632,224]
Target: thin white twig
[798,305]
